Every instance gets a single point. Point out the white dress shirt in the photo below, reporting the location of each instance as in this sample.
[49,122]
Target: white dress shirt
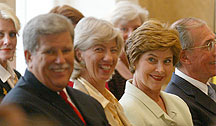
[8,75]
[203,87]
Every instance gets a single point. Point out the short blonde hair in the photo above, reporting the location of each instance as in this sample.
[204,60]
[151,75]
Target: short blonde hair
[91,31]
[152,35]
[7,13]
[127,11]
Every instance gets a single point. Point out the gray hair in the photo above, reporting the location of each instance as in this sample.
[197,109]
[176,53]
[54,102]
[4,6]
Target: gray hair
[184,27]
[7,13]
[127,11]
[46,24]
[91,31]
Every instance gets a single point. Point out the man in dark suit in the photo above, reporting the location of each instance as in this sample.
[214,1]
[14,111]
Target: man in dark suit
[196,65]
[49,54]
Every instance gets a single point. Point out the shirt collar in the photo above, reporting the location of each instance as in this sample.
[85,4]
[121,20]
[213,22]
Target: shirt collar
[201,86]
[147,101]
[4,73]
[94,92]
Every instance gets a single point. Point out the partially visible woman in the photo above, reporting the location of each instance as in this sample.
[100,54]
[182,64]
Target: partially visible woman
[152,50]
[73,14]
[97,46]
[9,27]
[127,17]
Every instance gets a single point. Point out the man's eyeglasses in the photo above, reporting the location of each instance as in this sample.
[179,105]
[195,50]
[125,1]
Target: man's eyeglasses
[210,46]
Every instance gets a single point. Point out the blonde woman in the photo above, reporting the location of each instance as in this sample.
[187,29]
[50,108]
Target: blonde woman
[97,47]
[9,27]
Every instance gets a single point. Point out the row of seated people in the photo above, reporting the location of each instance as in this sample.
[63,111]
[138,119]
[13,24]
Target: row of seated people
[141,53]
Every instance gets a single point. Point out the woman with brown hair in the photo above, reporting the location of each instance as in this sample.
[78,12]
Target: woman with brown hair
[73,14]
[152,50]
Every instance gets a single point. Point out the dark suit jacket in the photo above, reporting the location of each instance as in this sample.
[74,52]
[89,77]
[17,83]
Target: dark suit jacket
[6,85]
[35,98]
[202,107]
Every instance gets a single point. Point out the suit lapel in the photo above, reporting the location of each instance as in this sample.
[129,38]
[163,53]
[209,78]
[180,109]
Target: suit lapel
[75,100]
[60,104]
[192,91]
[51,97]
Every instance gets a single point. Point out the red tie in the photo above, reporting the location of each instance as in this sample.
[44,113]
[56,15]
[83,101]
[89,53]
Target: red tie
[64,96]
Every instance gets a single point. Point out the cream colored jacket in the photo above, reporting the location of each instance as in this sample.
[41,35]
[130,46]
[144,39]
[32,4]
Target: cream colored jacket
[141,110]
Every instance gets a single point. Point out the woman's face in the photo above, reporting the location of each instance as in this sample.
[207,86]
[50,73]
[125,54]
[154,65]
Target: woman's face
[100,61]
[8,39]
[127,28]
[153,69]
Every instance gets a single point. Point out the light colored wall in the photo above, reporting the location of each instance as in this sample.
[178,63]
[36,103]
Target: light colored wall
[172,10]
[11,3]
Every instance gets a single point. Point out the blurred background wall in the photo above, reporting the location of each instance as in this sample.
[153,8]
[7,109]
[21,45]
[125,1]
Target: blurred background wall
[172,10]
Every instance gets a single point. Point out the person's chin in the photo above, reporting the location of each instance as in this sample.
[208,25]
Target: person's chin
[61,84]
[104,78]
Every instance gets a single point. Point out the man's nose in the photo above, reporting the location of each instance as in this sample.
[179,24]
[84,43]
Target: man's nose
[60,58]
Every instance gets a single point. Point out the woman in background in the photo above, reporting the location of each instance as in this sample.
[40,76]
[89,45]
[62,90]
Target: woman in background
[152,50]
[9,27]
[97,46]
[127,17]
[71,13]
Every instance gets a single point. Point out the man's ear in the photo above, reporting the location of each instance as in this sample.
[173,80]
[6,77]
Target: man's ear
[78,55]
[28,56]
[184,57]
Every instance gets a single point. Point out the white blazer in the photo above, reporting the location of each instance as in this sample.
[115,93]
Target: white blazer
[141,110]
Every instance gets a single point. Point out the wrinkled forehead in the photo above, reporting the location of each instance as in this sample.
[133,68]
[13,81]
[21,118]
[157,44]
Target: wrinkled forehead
[202,34]
[133,20]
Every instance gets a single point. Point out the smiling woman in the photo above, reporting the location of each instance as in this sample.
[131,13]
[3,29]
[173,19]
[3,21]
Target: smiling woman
[9,27]
[97,46]
[27,9]
[152,50]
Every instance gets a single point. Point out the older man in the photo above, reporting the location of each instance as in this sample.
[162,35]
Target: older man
[49,54]
[197,64]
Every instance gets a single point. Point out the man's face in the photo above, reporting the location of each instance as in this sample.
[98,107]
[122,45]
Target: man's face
[202,61]
[52,62]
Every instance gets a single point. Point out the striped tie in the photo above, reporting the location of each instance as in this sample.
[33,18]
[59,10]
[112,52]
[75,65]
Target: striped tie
[211,93]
